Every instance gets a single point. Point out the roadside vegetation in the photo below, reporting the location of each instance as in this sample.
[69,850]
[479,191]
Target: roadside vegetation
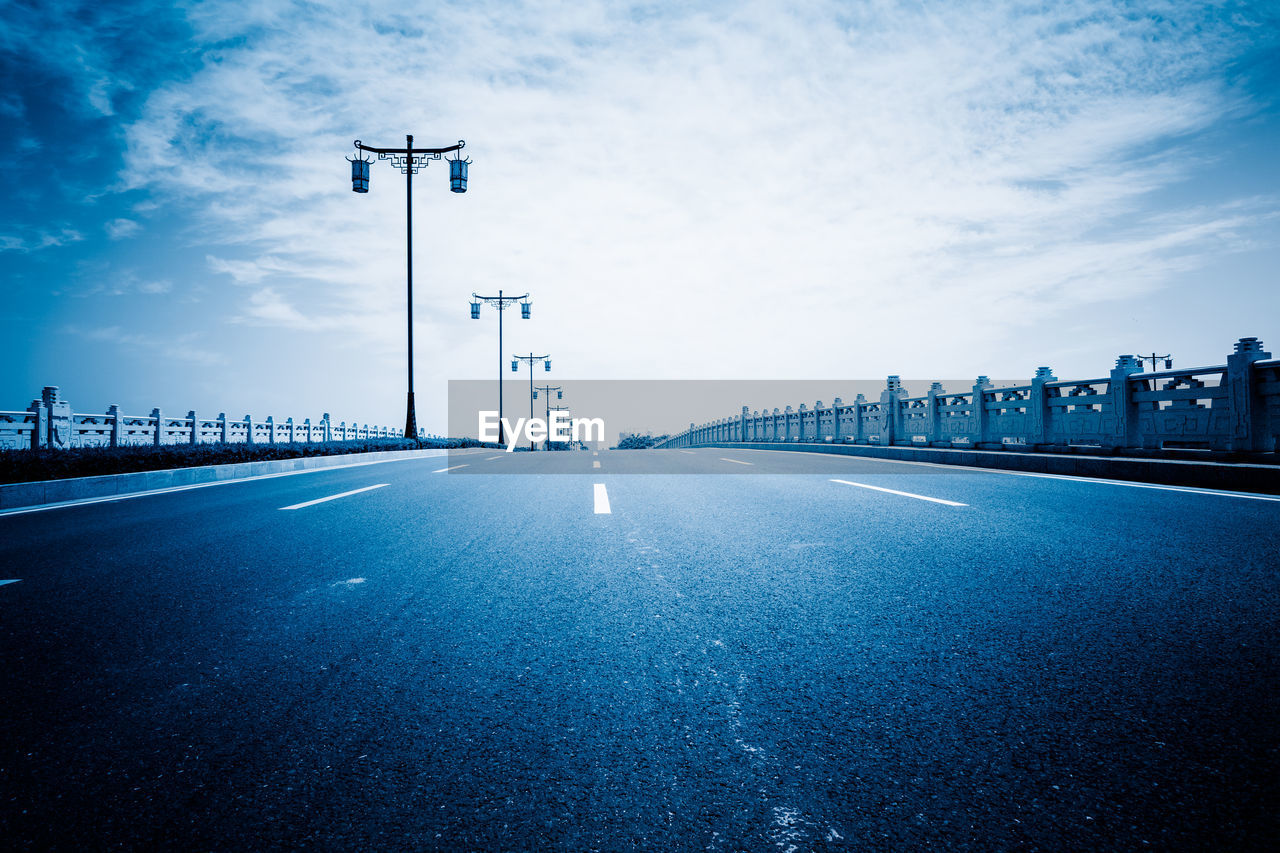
[640,442]
[27,466]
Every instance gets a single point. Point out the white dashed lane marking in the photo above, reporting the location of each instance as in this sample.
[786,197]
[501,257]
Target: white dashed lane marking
[595,464]
[737,461]
[335,497]
[450,468]
[15,580]
[896,492]
[602,500]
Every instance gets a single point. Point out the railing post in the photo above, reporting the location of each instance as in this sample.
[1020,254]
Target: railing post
[117,425]
[1038,408]
[40,429]
[248,429]
[1124,414]
[328,432]
[53,422]
[890,411]
[981,417]
[289,421]
[742,427]
[1244,398]
[271,429]
[859,428]
[157,437]
[195,427]
[223,428]
[836,438]
[934,417]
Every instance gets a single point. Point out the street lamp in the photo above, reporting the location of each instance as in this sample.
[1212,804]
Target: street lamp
[556,409]
[1153,358]
[502,303]
[408,160]
[515,366]
[546,391]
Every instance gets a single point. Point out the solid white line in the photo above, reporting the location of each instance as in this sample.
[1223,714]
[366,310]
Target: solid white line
[106,499]
[690,452]
[15,580]
[491,458]
[974,469]
[335,497]
[738,461]
[1190,489]
[896,492]
[595,464]
[602,500]
[450,468]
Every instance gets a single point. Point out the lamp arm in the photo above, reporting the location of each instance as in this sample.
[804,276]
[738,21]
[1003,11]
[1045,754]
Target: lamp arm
[361,146]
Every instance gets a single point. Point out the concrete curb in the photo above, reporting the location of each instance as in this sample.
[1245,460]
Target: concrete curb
[1239,477]
[15,495]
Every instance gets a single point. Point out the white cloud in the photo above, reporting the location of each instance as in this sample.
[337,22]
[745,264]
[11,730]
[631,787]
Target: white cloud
[119,229]
[882,182]
[181,348]
[34,241]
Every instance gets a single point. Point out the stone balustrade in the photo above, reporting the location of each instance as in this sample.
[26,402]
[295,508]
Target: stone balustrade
[50,423]
[1230,407]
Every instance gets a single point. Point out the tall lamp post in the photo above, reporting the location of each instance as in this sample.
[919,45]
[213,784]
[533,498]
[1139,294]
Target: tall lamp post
[515,367]
[556,409]
[502,303]
[408,160]
[1153,358]
[546,391]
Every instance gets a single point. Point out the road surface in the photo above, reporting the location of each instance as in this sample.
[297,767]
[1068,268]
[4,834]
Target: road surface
[551,651]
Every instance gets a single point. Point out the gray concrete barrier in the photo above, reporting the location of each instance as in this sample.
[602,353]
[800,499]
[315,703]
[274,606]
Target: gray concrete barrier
[17,495]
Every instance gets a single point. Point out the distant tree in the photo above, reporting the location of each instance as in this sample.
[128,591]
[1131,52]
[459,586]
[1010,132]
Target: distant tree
[640,442]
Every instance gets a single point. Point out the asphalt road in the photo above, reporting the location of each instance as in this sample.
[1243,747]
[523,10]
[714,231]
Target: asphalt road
[844,653]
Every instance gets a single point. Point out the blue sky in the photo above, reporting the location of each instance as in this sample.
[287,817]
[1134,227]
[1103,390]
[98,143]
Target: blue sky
[723,190]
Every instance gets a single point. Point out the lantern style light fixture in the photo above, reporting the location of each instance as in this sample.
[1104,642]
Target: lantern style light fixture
[475,310]
[525,308]
[359,174]
[458,174]
[515,367]
[547,365]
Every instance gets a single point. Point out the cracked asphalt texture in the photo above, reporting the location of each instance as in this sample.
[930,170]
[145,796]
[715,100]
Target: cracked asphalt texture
[476,660]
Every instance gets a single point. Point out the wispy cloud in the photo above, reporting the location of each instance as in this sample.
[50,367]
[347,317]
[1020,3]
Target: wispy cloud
[97,281]
[34,241]
[120,229]
[739,187]
[178,347]
[791,156]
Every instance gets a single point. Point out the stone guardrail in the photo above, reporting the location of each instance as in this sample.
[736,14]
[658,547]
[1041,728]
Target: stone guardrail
[1231,407]
[50,423]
